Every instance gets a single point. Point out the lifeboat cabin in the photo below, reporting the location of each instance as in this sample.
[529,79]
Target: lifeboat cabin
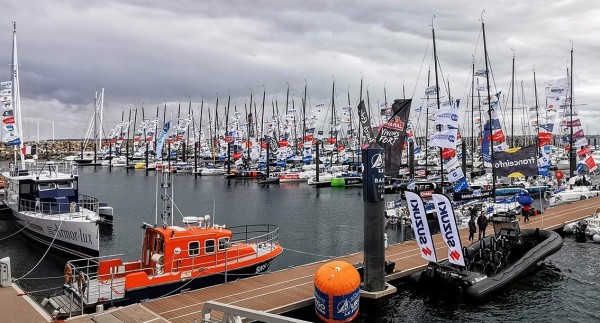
[175,259]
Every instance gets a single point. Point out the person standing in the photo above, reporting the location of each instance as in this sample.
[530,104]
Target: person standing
[526,210]
[482,224]
[472,229]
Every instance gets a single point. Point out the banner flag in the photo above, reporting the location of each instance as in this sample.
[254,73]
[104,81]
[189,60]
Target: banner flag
[420,226]
[516,162]
[448,228]
[161,138]
[444,139]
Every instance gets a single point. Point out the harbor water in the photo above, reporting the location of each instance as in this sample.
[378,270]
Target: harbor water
[315,224]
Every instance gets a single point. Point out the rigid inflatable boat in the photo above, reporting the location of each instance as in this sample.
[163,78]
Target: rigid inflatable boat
[496,260]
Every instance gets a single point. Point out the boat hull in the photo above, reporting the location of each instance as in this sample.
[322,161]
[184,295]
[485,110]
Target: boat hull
[75,238]
[181,286]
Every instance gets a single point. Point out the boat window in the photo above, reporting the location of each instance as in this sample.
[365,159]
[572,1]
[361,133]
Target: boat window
[46,186]
[64,185]
[209,246]
[25,188]
[193,248]
[223,243]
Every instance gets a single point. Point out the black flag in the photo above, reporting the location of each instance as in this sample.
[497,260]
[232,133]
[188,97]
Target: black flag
[365,122]
[516,162]
[392,135]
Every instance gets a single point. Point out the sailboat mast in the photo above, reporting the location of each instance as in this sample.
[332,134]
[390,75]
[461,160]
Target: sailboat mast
[489,99]
[473,114]
[227,138]
[571,151]
[304,112]
[437,98]
[249,121]
[537,115]
[427,124]
[16,94]
[512,108]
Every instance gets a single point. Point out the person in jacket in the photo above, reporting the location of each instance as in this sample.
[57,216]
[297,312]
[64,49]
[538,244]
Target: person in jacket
[482,224]
[472,229]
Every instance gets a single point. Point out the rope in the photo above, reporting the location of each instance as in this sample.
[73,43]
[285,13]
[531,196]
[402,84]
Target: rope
[308,253]
[23,228]
[45,253]
[50,277]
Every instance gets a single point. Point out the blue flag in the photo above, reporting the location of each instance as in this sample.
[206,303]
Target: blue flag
[161,139]
[461,185]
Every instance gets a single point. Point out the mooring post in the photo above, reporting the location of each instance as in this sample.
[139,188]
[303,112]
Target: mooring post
[373,210]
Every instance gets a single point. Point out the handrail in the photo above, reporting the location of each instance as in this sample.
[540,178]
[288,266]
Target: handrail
[51,208]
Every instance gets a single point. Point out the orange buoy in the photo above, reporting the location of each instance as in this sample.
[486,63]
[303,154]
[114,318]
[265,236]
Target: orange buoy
[337,292]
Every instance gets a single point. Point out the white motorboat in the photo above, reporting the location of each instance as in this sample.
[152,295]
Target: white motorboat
[45,202]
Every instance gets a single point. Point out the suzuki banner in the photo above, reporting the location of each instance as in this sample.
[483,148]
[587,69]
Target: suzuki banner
[448,228]
[420,226]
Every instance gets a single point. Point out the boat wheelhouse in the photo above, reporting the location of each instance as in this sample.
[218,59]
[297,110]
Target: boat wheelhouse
[45,203]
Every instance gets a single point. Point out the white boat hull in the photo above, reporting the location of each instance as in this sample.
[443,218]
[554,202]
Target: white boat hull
[72,232]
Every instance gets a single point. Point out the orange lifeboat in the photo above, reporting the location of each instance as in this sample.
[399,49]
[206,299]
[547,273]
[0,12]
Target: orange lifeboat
[178,258]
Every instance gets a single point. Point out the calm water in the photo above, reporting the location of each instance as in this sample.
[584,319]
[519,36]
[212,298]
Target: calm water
[319,223]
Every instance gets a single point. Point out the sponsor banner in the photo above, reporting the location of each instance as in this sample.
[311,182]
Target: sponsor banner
[578,134]
[392,136]
[365,123]
[161,139]
[432,90]
[444,139]
[516,162]
[470,195]
[545,138]
[574,123]
[420,226]
[448,228]
[498,136]
[447,117]
[580,142]
[451,163]
[584,151]
[589,161]
[455,175]
[543,170]
[557,87]
[461,185]
[448,153]
[482,73]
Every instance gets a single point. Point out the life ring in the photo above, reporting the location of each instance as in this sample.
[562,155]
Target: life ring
[68,274]
[73,207]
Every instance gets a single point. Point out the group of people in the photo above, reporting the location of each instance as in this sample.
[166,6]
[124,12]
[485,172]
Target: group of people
[475,222]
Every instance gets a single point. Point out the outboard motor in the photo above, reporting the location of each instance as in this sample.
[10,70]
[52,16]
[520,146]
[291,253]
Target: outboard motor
[580,231]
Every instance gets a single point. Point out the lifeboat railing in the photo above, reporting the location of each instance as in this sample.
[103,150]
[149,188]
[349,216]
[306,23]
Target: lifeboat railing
[73,209]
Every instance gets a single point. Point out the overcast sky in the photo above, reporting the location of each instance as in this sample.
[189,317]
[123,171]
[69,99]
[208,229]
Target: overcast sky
[146,52]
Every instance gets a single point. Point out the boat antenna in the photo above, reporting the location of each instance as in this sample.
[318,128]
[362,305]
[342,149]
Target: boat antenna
[214,209]
[165,196]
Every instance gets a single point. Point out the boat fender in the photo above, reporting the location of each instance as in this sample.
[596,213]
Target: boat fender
[68,274]
[72,207]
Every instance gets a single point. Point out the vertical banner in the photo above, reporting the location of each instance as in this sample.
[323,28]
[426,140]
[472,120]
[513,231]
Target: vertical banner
[449,229]
[161,139]
[392,136]
[420,226]
[365,123]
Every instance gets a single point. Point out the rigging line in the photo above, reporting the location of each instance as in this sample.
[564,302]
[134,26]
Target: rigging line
[420,69]
[45,253]
[23,228]
[309,253]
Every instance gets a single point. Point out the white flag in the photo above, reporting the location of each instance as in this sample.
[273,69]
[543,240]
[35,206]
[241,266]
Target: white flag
[455,175]
[444,139]
[431,90]
[420,226]
[449,229]
[6,85]
[580,142]
[5,92]
[557,87]
[447,117]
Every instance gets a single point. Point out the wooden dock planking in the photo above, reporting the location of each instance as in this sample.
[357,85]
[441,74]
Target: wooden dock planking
[288,289]
[16,307]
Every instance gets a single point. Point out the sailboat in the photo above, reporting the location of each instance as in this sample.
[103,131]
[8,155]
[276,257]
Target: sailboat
[44,198]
